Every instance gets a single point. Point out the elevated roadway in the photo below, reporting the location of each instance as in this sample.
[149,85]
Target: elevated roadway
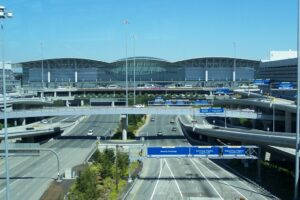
[247,136]
[98,110]
[39,129]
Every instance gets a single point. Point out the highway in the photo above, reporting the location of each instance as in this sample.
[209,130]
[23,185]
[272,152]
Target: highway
[31,176]
[185,178]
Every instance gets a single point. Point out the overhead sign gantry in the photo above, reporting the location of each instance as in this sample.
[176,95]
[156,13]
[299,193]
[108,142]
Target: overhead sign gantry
[213,152]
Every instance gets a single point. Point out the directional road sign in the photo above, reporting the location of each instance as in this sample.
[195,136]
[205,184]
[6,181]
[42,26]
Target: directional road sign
[204,151]
[168,151]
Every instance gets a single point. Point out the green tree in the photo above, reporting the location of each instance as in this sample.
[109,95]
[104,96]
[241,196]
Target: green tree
[122,163]
[86,185]
[106,159]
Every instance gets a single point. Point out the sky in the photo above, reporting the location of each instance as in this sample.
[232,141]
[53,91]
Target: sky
[169,29]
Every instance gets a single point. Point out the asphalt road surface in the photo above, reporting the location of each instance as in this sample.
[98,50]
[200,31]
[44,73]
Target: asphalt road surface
[31,176]
[185,178]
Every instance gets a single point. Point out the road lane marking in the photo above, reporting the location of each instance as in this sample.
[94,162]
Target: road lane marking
[174,178]
[152,195]
[220,179]
[251,189]
[206,179]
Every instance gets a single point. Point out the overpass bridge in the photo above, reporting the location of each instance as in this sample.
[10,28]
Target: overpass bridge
[101,110]
[247,136]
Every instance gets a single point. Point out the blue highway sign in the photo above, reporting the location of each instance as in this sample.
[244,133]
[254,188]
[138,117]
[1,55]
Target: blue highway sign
[234,151]
[209,110]
[205,151]
[168,151]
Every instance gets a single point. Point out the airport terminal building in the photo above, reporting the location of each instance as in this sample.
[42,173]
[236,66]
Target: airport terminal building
[85,73]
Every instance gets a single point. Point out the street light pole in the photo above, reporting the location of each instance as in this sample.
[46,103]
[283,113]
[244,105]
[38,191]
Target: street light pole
[298,112]
[126,60]
[42,57]
[273,116]
[4,14]
[134,100]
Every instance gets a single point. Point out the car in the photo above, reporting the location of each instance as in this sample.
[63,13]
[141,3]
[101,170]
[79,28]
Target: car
[160,133]
[152,119]
[44,121]
[174,128]
[172,121]
[216,127]
[90,132]
[139,106]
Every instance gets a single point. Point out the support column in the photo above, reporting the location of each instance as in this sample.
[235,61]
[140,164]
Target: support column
[124,127]
[42,94]
[76,77]
[82,103]
[288,122]
[233,76]
[23,121]
[55,94]
[206,75]
[70,94]
[49,77]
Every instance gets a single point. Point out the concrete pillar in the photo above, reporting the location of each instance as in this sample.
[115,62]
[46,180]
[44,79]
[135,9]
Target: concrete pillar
[55,94]
[124,127]
[113,104]
[233,76]
[206,75]
[67,103]
[49,77]
[70,94]
[288,122]
[124,135]
[23,121]
[82,103]
[76,77]
[42,94]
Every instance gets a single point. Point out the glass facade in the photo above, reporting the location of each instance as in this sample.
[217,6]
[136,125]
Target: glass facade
[92,73]
[278,71]
[11,82]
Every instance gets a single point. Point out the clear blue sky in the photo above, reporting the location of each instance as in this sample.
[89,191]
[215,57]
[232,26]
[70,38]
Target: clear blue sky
[169,29]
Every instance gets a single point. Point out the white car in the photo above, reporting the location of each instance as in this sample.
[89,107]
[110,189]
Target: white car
[44,121]
[90,132]
[139,106]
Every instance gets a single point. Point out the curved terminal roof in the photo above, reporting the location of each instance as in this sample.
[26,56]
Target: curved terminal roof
[141,58]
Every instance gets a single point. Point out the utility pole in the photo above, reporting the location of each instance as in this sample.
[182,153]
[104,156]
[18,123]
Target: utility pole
[3,15]
[296,188]
[116,165]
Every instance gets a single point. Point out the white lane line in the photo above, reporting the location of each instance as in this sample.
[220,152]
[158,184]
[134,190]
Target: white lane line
[152,195]
[174,178]
[221,180]
[251,189]
[206,179]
